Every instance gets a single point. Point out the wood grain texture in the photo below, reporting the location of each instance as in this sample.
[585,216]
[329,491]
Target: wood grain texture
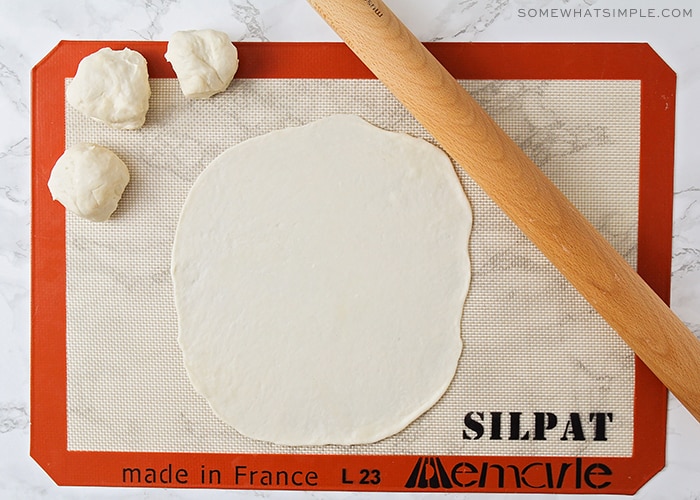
[523,192]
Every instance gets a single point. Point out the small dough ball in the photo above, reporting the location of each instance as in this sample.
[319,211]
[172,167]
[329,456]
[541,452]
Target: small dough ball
[204,61]
[89,181]
[111,86]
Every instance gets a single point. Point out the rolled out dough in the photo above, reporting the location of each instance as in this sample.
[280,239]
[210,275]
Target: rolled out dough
[320,274]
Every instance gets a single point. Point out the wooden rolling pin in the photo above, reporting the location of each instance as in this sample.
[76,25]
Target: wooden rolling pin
[524,193]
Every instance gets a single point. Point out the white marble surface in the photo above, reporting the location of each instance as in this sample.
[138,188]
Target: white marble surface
[28,30]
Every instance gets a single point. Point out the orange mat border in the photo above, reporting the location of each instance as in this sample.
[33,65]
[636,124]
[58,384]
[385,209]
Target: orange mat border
[579,61]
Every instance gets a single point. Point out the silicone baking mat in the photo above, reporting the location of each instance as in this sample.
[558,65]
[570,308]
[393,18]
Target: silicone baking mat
[546,396]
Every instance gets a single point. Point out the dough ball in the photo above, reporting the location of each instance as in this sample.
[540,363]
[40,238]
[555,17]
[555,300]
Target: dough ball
[320,275]
[204,61]
[89,181]
[111,86]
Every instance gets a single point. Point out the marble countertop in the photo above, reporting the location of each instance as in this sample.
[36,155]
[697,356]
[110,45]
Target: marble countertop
[28,30]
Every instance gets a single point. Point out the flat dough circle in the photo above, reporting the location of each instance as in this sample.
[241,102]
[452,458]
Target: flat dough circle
[320,274]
